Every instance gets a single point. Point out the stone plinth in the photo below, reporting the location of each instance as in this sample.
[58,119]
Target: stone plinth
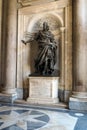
[8,98]
[43,90]
[78,101]
[78,104]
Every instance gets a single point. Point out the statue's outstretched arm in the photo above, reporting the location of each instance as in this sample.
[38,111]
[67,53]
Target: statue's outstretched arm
[25,42]
[29,37]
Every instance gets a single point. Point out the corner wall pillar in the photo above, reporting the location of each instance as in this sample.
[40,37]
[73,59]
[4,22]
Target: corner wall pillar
[9,90]
[78,100]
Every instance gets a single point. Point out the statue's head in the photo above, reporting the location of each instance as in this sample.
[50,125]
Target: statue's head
[45,26]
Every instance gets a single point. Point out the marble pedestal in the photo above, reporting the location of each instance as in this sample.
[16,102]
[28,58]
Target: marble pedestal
[43,90]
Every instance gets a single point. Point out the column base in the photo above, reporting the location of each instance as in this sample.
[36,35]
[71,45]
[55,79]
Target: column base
[7,98]
[78,101]
[9,91]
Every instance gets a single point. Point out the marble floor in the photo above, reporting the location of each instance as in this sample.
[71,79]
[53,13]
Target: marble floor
[15,117]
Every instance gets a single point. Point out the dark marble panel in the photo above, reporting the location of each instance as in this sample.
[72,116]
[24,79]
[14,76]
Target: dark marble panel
[21,111]
[1,123]
[5,112]
[14,127]
[35,113]
[43,118]
[34,125]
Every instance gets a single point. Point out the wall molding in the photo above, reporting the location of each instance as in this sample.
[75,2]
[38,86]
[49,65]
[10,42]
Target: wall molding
[24,3]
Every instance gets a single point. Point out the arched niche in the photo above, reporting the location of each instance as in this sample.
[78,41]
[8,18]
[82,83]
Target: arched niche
[35,24]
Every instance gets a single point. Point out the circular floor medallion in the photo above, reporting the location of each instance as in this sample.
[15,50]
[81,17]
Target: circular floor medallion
[22,119]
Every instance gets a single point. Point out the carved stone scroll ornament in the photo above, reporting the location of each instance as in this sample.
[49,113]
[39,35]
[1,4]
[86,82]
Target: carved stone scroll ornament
[24,2]
[46,58]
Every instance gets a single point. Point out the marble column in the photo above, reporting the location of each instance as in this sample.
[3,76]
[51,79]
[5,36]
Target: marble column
[62,65]
[0,36]
[78,100]
[10,46]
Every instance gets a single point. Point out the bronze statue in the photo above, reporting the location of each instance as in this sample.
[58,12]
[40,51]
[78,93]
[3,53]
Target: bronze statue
[46,59]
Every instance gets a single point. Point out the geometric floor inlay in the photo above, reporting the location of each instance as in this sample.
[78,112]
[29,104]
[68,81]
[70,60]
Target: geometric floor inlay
[22,119]
[25,118]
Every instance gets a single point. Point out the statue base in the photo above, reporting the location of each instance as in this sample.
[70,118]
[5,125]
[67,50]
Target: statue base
[55,73]
[43,90]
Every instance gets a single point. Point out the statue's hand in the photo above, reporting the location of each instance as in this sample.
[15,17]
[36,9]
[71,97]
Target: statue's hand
[23,42]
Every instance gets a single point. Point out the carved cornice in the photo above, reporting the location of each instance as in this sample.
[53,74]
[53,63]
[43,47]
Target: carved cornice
[24,3]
